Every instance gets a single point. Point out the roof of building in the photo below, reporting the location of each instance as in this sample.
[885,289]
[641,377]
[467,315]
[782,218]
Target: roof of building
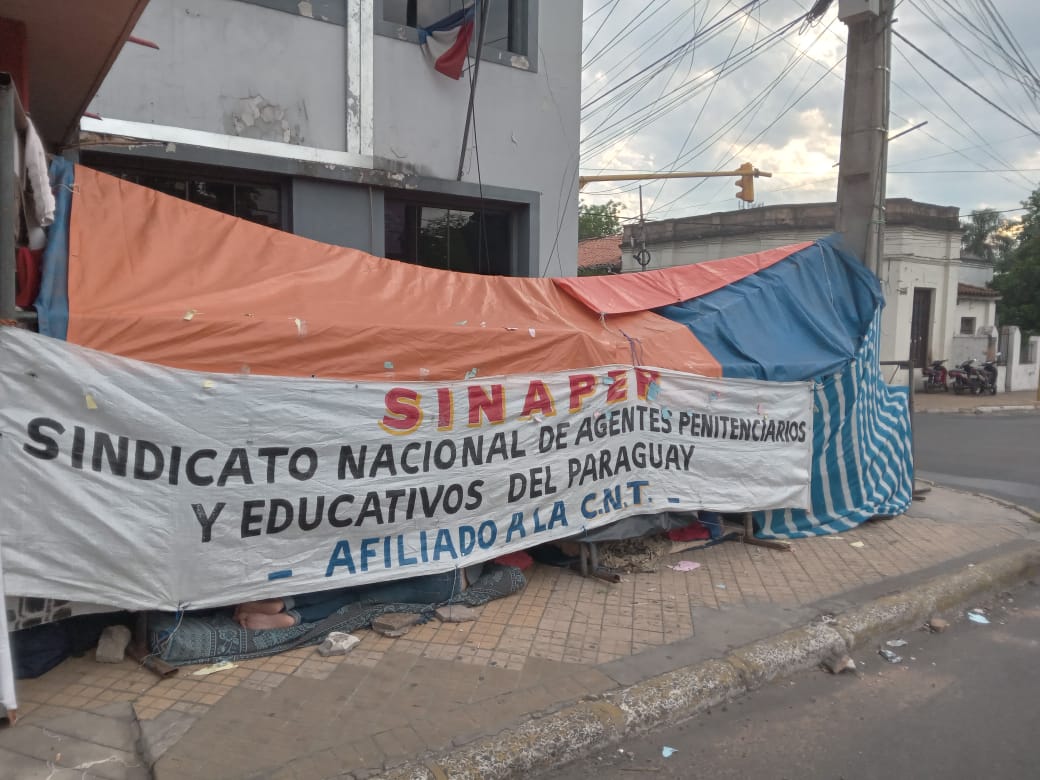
[973,291]
[600,253]
[785,217]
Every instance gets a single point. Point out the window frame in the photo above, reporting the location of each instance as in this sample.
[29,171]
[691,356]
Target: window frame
[973,321]
[528,61]
[517,214]
[114,165]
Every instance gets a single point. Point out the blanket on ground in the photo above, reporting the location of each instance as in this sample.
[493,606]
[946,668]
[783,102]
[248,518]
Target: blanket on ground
[212,637]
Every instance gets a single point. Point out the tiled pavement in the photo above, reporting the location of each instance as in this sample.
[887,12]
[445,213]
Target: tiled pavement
[298,715]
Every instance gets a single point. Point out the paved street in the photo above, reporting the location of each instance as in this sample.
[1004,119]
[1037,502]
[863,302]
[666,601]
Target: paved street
[959,706]
[994,453]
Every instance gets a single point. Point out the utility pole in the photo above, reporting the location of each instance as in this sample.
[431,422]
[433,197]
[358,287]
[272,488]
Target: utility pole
[864,128]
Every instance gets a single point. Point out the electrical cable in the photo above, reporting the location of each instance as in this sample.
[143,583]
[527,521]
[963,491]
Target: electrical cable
[963,83]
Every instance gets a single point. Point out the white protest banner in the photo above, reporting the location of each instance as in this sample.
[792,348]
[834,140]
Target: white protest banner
[141,486]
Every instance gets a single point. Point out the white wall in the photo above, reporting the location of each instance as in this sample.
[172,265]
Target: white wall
[667,255]
[963,348]
[984,312]
[1023,370]
[235,68]
[526,124]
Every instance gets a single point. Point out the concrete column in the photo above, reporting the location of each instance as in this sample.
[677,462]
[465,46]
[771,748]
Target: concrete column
[864,135]
[360,100]
[1014,345]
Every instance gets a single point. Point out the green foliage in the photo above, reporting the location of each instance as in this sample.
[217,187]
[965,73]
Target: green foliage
[986,235]
[599,221]
[1017,276]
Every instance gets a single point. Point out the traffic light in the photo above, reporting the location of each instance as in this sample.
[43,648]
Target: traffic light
[746,183]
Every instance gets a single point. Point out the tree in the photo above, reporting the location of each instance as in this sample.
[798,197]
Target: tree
[599,221]
[1017,273]
[986,235]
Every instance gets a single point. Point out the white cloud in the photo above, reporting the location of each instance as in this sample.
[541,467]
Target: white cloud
[801,145]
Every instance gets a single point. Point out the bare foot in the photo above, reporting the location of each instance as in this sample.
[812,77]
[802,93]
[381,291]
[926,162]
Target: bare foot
[263,607]
[257,621]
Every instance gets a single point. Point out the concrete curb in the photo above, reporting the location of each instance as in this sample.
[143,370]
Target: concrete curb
[543,743]
[982,409]
[1030,513]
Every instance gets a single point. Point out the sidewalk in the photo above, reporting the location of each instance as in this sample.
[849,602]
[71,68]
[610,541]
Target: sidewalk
[950,402]
[298,715]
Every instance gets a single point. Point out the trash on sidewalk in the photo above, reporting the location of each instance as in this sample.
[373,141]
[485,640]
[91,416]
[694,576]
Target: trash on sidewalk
[220,666]
[897,643]
[839,663]
[938,625]
[338,643]
[685,566]
[632,556]
[856,544]
[889,656]
[978,617]
[668,752]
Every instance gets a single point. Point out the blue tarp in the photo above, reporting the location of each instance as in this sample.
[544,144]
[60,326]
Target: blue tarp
[802,318]
[815,315]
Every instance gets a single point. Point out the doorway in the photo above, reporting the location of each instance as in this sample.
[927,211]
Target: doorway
[921,326]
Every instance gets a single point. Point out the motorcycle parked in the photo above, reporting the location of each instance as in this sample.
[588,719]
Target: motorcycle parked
[988,375]
[964,377]
[968,378]
[936,377]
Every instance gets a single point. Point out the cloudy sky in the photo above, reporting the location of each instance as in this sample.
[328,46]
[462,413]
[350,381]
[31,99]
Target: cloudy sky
[747,90]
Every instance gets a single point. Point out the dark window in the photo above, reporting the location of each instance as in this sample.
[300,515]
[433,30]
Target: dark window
[257,202]
[967,326]
[506,23]
[449,236]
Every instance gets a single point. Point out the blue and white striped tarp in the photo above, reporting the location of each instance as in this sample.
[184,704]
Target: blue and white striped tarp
[815,315]
[862,459]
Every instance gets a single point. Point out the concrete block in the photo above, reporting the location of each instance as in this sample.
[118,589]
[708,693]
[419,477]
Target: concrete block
[457,613]
[395,624]
[112,646]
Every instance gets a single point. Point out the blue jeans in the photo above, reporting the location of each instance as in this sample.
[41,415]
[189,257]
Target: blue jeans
[430,589]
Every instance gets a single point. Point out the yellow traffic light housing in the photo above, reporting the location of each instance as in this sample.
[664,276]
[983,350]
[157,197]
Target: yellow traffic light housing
[746,183]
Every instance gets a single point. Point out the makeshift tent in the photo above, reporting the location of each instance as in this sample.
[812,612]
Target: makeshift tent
[816,315]
[162,280]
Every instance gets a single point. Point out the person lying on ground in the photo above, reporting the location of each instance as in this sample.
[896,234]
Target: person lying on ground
[289,611]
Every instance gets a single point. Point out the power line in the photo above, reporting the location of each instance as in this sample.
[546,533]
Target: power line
[675,97]
[987,170]
[963,83]
[766,129]
[603,22]
[666,56]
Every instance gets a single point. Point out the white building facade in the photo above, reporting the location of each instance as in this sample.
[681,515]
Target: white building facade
[326,118]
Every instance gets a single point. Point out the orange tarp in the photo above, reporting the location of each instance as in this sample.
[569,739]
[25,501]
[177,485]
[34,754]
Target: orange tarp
[665,286]
[156,278]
